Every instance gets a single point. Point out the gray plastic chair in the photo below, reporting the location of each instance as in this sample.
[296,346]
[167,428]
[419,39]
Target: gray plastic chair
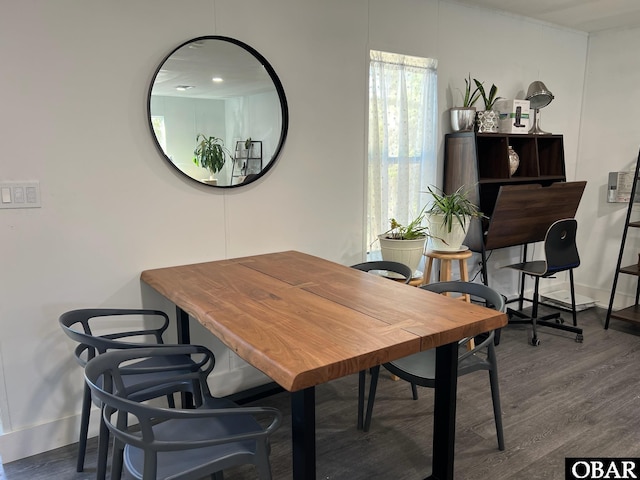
[385,265]
[375,266]
[561,254]
[419,369]
[176,443]
[79,326]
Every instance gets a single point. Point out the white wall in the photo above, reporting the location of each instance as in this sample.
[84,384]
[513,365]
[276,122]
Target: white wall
[609,142]
[75,79]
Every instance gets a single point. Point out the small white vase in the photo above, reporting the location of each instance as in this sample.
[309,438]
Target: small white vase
[441,239]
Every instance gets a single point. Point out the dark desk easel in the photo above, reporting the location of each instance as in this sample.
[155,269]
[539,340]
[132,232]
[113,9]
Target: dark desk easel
[523,213]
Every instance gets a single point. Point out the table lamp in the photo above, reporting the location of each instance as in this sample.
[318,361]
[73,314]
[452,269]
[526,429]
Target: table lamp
[539,97]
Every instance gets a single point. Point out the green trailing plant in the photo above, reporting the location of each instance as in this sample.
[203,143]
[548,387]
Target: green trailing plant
[452,206]
[470,97]
[412,231]
[210,153]
[247,143]
[488,99]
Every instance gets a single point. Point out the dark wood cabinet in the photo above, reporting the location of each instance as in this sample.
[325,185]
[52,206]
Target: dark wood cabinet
[480,162]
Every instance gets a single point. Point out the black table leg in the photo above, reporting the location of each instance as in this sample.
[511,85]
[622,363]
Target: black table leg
[444,421]
[184,337]
[182,324]
[303,433]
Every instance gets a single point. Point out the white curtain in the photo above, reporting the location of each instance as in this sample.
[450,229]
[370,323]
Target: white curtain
[403,110]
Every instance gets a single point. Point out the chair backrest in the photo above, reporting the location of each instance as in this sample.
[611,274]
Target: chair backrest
[77,324]
[492,298]
[561,251]
[188,363]
[105,375]
[395,267]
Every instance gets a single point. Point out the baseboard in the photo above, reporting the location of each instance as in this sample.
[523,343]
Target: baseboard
[44,437]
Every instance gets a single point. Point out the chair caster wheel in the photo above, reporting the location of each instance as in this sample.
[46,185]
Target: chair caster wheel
[579,338]
[535,341]
[560,321]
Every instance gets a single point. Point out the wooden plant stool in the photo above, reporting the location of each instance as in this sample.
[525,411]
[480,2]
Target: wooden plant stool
[445,271]
[445,266]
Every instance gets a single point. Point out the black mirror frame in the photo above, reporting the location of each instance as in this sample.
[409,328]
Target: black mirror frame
[284,109]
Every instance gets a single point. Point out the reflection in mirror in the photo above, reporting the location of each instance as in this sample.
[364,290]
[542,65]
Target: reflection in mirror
[217,111]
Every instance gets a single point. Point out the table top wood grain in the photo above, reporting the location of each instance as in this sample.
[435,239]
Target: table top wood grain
[303,320]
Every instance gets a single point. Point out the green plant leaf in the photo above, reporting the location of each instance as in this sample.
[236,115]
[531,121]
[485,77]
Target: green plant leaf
[210,153]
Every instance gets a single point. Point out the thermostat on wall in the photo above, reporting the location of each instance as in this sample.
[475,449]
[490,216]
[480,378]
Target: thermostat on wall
[619,188]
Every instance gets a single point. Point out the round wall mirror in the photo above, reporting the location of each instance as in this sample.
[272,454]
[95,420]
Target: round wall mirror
[217,111]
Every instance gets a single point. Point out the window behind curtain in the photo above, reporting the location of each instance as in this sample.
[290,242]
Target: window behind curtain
[157,121]
[403,108]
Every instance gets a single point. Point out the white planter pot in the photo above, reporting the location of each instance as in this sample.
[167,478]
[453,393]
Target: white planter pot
[441,239]
[408,252]
[488,121]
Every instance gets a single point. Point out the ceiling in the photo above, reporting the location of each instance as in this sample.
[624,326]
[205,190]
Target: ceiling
[194,65]
[585,15]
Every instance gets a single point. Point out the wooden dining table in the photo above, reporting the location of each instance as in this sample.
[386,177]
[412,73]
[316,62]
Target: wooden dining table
[304,321]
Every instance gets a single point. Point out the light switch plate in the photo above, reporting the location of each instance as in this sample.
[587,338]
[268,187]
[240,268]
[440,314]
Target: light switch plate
[20,194]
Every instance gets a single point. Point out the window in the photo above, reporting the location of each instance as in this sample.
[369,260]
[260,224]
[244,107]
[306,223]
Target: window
[158,128]
[403,109]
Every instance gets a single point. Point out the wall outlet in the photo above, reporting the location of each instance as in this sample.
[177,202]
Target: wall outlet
[20,194]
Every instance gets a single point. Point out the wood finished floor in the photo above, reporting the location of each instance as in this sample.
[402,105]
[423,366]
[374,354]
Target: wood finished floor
[561,399]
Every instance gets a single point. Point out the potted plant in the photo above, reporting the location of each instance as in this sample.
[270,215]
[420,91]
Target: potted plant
[405,243]
[487,121]
[463,118]
[210,154]
[449,217]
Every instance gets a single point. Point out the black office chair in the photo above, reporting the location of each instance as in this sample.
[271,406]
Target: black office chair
[79,325]
[561,254]
[378,266]
[176,443]
[420,368]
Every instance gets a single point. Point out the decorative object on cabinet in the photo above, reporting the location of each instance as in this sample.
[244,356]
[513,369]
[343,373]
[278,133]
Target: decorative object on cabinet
[514,161]
[514,115]
[183,98]
[632,313]
[539,97]
[488,120]
[448,218]
[247,161]
[210,154]
[463,118]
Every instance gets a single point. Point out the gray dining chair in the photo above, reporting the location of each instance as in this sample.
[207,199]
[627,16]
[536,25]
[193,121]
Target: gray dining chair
[177,444]
[384,267]
[419,368]
[80,325]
